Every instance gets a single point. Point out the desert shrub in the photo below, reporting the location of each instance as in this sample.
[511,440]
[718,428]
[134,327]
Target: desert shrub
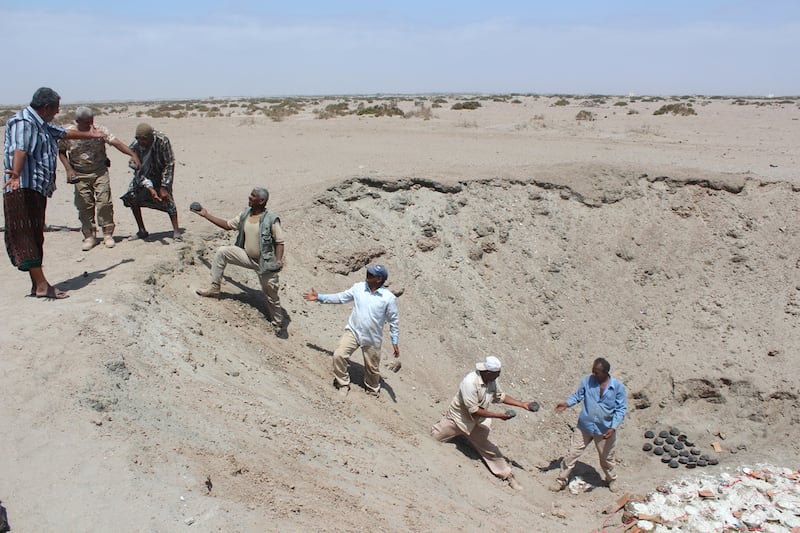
[282,109]
[421,111]
[338,109]
[516,101]
[676,109]
[467,124]
[381,110]
[561,102]
[632,112]
[621,103]
[583,114]
[469,104]
[440,100]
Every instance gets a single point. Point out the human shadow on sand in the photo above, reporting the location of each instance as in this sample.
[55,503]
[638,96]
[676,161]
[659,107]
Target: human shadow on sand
[162,237]
[586,472]
[79,282]
[252,297]
[356,371]
[462,444]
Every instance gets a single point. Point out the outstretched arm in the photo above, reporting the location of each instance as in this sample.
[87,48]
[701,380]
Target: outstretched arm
[219,222]
[311,295]
[122,147]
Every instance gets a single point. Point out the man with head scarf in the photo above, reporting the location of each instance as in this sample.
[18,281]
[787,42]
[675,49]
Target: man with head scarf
[151,186]
[30,158]
[87,163]
[469,416]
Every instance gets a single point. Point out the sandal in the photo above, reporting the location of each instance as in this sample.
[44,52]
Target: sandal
[140,235]
[53,294]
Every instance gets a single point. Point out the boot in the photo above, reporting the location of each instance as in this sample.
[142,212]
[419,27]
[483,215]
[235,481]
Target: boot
[108,236]
[88,242]
[211,292]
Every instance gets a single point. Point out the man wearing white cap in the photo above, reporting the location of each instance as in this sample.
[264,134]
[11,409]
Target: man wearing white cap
[469,417]
[373,306]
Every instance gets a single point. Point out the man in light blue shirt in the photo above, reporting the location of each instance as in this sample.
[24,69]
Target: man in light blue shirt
[373,306]
[604,407]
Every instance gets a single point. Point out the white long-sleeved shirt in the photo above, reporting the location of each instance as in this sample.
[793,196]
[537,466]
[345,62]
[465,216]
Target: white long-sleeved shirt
[371,310]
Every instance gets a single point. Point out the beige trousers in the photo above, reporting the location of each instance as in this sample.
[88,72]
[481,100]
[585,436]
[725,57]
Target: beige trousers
[341,359]
[446,429]
[578,443]
[93,196]
[233,255]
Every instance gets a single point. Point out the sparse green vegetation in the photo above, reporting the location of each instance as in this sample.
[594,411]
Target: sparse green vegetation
[620,103]
[682,110]
[469,104]
[338,109]
[381,110]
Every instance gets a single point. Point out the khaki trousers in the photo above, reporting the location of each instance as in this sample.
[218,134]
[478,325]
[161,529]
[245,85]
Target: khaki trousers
[446,429]
[93,196]
[372,360]
[233,255]
[605,449]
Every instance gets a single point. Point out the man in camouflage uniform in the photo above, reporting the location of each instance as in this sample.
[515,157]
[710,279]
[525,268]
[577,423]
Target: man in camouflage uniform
[86,163]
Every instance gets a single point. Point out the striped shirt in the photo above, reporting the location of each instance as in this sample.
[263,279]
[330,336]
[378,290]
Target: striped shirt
[371,310]
[27,131]
[158,161]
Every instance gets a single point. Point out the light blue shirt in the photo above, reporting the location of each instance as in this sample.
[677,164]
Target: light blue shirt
[371,310]
[27,131]
[599,414]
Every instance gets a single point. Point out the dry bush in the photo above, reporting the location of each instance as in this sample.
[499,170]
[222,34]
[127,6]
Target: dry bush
[621,103]
[583,114]
[632,112]
[469,104]
[682,110]
[561,102]
[381,110]
[285,108]
[467,124]
[420,111]
[338,109]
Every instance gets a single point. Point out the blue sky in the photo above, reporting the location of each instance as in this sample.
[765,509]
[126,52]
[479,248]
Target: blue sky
[105,51]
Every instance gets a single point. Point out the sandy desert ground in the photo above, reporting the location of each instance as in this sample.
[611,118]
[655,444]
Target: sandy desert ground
[666,243]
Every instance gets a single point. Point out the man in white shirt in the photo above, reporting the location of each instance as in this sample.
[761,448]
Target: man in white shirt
[468,416]
[374,306]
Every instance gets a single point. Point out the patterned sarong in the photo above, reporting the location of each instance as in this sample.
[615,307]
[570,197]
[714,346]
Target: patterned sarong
[24,211]
[139,196]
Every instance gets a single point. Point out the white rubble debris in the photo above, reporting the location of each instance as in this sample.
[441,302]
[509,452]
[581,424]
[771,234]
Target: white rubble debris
[762,498]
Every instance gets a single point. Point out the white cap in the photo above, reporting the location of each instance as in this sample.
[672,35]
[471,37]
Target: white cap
[491,364]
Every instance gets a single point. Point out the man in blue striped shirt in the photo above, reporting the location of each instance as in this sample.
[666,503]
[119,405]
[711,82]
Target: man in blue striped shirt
[374,306]
[30,154]
[604,407]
